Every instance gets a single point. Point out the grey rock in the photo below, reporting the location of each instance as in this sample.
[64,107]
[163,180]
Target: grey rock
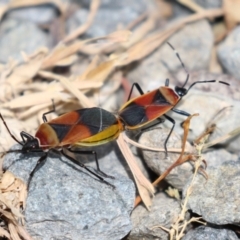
[208,233]
[163,213]
[3,2]
[66,202]
[216,199]
[157,160]
[229,53]
[179,10]
[41,14]
[138,6]
[213,108]
[216,157]
[193,42]
[17,36]
[109,16]
[209,3]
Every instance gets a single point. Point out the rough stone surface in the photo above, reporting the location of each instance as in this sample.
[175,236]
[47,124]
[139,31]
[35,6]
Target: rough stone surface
[213,108]
[193,43]
[137,6]
[109,16]
[38,14]
[163,213]
[216,157]
[157,160]
[208,233]
[217,199]
[66,202]
[209,3]
[17,35]
[229,53]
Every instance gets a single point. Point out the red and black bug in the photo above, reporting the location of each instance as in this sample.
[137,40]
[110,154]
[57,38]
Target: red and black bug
[95,126]
[146,108]
[83,127]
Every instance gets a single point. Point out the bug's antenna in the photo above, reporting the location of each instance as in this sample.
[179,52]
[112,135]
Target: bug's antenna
[9,130]
[183,66]
[206,81]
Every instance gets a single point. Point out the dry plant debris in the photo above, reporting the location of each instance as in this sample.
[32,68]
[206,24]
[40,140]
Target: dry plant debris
[12,201]
[125,47]
[177,230]
[23,88]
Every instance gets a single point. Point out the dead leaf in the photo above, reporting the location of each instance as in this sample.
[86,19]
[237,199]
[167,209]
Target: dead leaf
[4,233]
[231,13]
[191,5]
[79,31]
[7,180]
[145,188]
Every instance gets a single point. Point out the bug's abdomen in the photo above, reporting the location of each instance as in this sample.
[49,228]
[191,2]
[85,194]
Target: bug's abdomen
[87,126]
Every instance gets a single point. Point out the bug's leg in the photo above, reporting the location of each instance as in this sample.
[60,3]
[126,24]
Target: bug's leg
[26,136]
[41,161]
[85,167]
[138,88]
[96,159]
[6,126]
[165,143]
[51,111]
[181,112]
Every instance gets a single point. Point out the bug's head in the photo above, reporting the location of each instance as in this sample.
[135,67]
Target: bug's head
[181,91]
[31,145]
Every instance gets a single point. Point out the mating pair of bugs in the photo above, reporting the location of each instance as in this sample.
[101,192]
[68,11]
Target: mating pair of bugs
[95,126]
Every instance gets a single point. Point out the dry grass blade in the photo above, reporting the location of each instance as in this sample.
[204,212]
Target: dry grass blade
[92,65]
[181,158]
[101,72]
[79,31]
[143,29]
[24,72]
[7,179]
[12,191]
[33,99]
[13,231]
[68,61]
[231,13]
[136,144]
[62,51]
[145,188]
[3,10]
[179,227]
[227,136]
[23,233]
[149,44]
[70,87]
[179,161]
[4,233]
[139,19]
